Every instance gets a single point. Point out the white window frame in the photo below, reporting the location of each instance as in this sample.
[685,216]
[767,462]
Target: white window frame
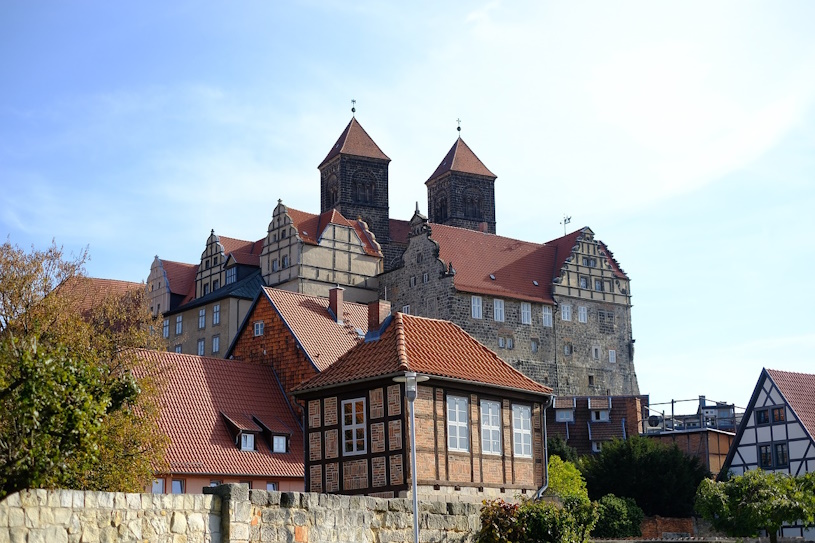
[179,324]
[598,285]
[177,349]
[498,310]
[458,428]
[547,316]
[599,415]
[202,318]
[475,307]
[526,313]
[490,427]
[406,309]
[413,281]
[501,342]
[216,314]
[166,328]
[534,345]
[564,415]
[582,313]
[354,426]
[279,444]
[202,344]
[231,275]
[425,277]
[596,446]
[247,441]
[216,344]
[522,430]
[612,356]
[566,312]
[258,328]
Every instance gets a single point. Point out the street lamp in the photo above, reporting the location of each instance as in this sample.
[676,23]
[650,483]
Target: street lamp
[411,379]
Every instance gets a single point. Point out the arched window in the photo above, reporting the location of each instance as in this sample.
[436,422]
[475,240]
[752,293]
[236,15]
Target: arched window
[472,205]
[441,209]
[333,191]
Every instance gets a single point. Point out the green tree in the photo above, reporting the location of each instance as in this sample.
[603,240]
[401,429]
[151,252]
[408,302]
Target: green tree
[659,478]
[538,521]
[618,517]
[757,500]
[557,446]
[565,479]
[71,411]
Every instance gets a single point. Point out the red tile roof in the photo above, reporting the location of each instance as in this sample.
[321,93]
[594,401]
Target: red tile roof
[315,329]
[200,392]
[88,292]
[461,158]
[244,252]
[399,230]
[180,278]
[310,228]
[355,141]
[427,346]
[799,390]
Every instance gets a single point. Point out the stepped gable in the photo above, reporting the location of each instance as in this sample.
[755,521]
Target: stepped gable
[180,278]
[564,246]
[315,328]
[355,141]
[799,391]
[461,158]
[201,393]
[310,228]
[427,346]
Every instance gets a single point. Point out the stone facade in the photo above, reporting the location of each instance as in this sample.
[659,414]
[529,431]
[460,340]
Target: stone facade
[463,200]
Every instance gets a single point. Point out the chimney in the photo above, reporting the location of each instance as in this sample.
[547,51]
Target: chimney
[483,227]
[378,311]
[335,302]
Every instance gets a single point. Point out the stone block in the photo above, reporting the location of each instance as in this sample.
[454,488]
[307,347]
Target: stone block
[133,500]
[238,531]
[258,497]
[274,498]
[189,502]
[108,534]
[177,502]
[289,499]
[90,534]
[66,498]
[74,525]
[195,523]
[178,525]
[3,515]
[13,500]
[18,535]
[309,500]
[32,517]
[4,535]
[77,499]
[243,511]
[46,516]
[214,524]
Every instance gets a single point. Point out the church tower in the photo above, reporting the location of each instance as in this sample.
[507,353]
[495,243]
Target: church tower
[354,180]
[461,192]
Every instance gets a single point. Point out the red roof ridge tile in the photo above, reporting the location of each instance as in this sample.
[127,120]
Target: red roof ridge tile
[401,343]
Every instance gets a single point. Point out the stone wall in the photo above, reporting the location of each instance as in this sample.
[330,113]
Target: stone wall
[227,514]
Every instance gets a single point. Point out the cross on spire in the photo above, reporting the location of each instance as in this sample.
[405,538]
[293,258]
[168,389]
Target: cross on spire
[353,107]
[459,125]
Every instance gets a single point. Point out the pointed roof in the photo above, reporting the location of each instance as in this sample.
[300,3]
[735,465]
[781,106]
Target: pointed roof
[355,141]
[799,391]
[461,159]
[428,346]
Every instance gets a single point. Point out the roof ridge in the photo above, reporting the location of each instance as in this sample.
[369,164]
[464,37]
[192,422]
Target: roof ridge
[401,342]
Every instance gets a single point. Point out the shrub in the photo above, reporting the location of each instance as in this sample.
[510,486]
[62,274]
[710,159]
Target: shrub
[537,521]
[619,517]
[557,446]
[565,479]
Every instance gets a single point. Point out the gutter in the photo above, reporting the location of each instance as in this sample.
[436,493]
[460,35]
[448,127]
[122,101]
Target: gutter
[542,490]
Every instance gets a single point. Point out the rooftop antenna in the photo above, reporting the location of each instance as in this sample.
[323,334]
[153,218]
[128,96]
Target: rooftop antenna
[353,107]
[458,127]
[566,220]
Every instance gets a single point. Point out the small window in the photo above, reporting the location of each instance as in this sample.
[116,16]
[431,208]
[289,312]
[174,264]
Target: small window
[231,275]
[582,313]
[177,348]
[584,281]
[765,456]
[595,353]
[596,446]
[202,318]
[178,486]
[216,284]
[762,416]
[206,289]
[274,265]
[778,414]
[201,344]
[522,429]
[258,328]
[475,306]
[353,426]
[501,342]
[533,345]
[216,344]
[413,281]
[591,380]
[285,261]
[214,260]
[279,444]
[178,324]
[564,415]
[215,482]
[600,415]
[419,258]
[406,309]
[526,313]
[271,487]
[425,277]
[158,486]
[247,442]
[216,314]
[782,456]
[598,284]
[458,437]
[567,349]
[547,316]
[566,312]
[612,356]
[498,310]
[206,263]
[510,343]
[166,328]
[490,427]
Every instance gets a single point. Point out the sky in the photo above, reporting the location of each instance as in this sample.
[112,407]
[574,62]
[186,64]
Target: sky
[682,134]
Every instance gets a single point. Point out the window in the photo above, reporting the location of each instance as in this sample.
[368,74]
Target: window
[177,348]
[425,277]
[600,415]
[762,416]
[547,316]
[596,446]
[271,487]
[526,313]
[582,313]
[490,427]
[353,426]
[216,314]
[285,261]
[522,429]
[778,414]
[274,265]
[612,356]
[201,344]
[564,415]
[206,289]
[584,281]
[598,284]
[166,328]
[475,306]
[202,318]
[591,380]
[158,486]
[258,328]
[216,285]
[510,343]
[501,342]
[605,322]
[567,349]
[413,281]
[177,486]
[765,456]
[231,275]
[206,263]
[566,312]
[419,258]
[595,353]
[498,310]
[782,456]
[533,345]
[457,433]
[279,444]
[406,309]
[216,344]
[214,260]
[178,322]
[590,262]
[214,483]
[247,442]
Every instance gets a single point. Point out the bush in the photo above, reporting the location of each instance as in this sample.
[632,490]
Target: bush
[565,479]
[537,521]
[557,446]
[619,517]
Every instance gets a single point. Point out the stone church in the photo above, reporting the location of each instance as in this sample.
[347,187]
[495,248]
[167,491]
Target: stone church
[559,311]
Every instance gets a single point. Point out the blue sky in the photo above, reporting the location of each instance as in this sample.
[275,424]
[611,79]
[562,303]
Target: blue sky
[682,134]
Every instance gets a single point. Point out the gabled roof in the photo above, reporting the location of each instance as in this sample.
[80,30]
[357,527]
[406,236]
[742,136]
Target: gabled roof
[242,252]
[355,141]
[200,392]
[88,292]
[245,289]
[799,391]
[314,328]
[461,159]
[428,346]
[180,276]
[310,228]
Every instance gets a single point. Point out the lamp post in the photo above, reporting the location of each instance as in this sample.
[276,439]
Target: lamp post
[411,379]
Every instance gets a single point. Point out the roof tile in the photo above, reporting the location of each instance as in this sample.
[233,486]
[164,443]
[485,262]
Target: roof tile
[355,141]
[799,390]
[460,158]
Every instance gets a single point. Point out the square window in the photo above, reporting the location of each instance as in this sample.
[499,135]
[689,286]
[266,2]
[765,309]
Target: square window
[178,324]
[247,442]
[216,344]
[158,486]
[201,343]
[522,430]
[498,310]
[762,416]
[178,486]
[458,438]
[526,313]
[600,415]
[547,316]
[778,414]
[258,328]
[566,312]
[279,444]
[490,427]
[353,427]
[475,307]
[612,356]
[406,309]
[216,314]
[582,313]
[782,456]
[202,318]
[596,446]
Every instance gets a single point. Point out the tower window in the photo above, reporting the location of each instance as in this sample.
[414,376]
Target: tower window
[472,206]
[441,209]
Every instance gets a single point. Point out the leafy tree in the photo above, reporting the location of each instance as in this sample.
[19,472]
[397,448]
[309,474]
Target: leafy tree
[538,521]
[757,500]
[659,478]
[71,411]
[565,479]
[557,446]
[618,517]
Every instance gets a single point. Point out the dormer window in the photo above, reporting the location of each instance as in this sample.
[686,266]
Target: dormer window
[564,415]
[231,275]
[279,444]
[599,415]
[247,442]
